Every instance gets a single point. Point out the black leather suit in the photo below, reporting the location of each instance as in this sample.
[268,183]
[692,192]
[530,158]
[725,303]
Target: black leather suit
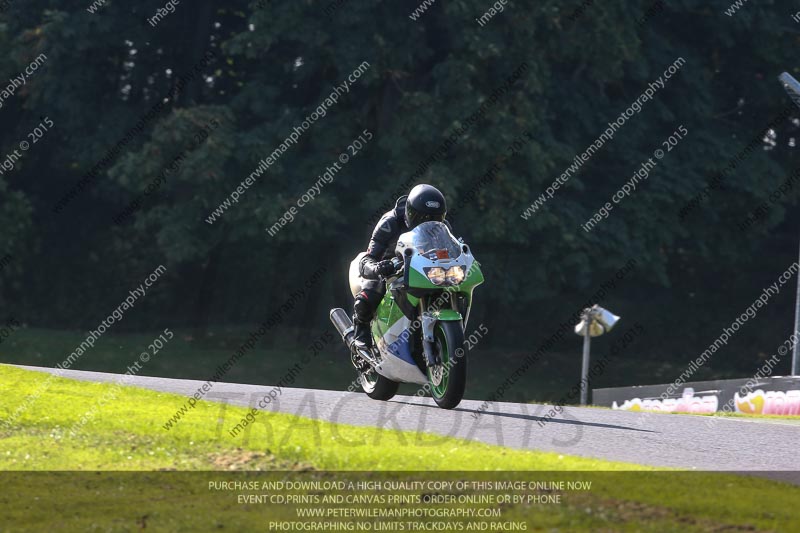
[381,246]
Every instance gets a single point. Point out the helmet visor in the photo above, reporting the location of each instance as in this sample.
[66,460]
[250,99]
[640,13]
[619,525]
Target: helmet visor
[414,218]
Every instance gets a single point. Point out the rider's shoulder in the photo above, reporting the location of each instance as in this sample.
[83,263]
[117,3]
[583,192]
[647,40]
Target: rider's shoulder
[391,222]
[399,210]
[387,226]
[395,217]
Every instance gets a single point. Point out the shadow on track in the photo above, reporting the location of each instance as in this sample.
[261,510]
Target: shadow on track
[532,418]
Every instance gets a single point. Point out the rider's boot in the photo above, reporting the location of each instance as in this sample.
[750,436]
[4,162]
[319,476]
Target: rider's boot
[362,336]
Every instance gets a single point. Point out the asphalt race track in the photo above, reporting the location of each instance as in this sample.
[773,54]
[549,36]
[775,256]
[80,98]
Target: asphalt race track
[681,441]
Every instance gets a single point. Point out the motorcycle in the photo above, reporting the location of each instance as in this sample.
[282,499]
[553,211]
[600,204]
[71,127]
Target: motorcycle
[418,329]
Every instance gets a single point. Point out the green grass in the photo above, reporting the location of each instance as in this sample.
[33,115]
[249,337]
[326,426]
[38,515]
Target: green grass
[192,356]
[187,355]
[127,435]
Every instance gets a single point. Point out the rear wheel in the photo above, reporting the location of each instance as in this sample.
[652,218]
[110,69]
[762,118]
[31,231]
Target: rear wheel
[378,387]
[449,379]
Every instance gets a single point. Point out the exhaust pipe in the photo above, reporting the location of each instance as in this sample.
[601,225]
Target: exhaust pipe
[343,324]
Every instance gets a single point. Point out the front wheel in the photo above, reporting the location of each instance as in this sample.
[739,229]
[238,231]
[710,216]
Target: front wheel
[449,379]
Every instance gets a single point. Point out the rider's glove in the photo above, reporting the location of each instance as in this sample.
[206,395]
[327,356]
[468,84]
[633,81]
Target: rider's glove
[385,268]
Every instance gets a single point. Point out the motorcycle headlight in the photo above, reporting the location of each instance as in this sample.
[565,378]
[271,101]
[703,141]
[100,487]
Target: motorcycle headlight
[436,275]
[455,275]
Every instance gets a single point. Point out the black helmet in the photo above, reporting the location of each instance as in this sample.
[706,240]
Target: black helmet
[424,204]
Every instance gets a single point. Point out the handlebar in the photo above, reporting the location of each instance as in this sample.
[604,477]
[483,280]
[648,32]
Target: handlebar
[398,265]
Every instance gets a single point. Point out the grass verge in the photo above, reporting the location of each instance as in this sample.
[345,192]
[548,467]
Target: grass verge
[126,434]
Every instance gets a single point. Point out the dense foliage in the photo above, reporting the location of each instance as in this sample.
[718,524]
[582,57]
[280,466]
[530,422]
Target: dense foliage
[273,63]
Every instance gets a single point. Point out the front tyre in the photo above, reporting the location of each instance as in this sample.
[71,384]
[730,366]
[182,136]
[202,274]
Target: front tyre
[448,380]
[378,387]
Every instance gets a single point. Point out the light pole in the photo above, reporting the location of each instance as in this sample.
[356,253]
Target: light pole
[792,87]
[795,361]
[594,322]
[587,342]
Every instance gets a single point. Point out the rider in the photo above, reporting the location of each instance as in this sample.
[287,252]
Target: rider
[424,203]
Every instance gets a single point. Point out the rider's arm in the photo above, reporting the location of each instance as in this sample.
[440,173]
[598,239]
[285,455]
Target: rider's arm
[384,233]
[369,267]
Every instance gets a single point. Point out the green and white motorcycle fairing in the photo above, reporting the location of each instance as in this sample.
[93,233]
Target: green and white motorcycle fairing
[418,330]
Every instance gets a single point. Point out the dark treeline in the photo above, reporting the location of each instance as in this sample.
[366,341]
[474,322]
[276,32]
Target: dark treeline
[163,124]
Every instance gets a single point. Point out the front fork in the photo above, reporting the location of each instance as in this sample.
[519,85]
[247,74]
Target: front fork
[432,358]
[429,320]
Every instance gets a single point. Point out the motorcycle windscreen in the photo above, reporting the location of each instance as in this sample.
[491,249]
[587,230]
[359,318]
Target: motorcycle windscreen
[434,241]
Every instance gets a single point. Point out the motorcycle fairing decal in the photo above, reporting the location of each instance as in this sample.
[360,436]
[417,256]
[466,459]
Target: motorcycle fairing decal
[401,348]
[396,369]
